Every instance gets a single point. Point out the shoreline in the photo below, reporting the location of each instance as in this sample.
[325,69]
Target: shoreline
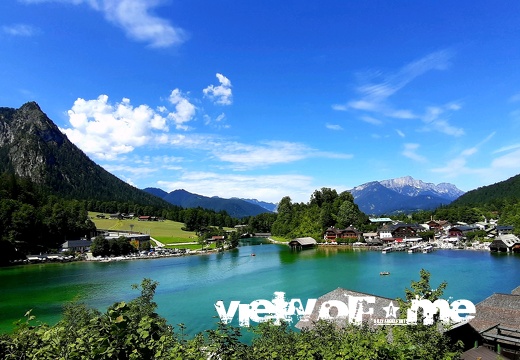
[162,253]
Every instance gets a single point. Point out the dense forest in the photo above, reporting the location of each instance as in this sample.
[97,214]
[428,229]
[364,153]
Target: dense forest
[34,220]
[325,208]
[504,191]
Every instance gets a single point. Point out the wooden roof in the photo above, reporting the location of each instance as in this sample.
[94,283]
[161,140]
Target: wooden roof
[305,241]
[342,294]
[481,353]
[503,309]
[508,239]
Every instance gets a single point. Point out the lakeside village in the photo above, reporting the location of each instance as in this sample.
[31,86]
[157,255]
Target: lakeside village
[391,236]
[491,333]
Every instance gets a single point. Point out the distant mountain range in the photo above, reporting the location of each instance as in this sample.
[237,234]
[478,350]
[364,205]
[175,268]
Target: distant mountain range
[402,195]
[32,146]
[235,207]
[271,207]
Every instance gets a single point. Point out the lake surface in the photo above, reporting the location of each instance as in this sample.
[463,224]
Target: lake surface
[190,285]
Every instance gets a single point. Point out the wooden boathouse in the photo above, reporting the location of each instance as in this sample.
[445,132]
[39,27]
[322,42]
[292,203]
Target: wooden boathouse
[302,243]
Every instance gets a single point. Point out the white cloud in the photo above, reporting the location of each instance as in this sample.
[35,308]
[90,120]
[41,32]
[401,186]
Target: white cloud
[375,94]
[22,30]
[106,131]
[221,94]
[377,90]
[371,120]
[509,161]
[400,133]
[220,117]
[410,151]
[218,122]
[507,148]
[458,165]
[184,110]
[247,156]
[444,127]
[135,17]
[435,119]
[135,171]
[333,127]
[271,188]
[515,98]
[139,23]
[241,156]
[515,116]
[339,107]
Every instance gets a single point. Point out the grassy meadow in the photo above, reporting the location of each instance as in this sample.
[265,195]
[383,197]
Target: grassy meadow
[168,232]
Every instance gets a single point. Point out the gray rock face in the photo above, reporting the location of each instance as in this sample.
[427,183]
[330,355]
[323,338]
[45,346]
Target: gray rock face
[29,141]
[404,194]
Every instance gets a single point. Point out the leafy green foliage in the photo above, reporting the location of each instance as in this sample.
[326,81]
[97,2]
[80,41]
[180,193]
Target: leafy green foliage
[421,289]
[261,223]
[508,190]
[326,208]
[116,247]
[133,330]
[34,220]
[126,331]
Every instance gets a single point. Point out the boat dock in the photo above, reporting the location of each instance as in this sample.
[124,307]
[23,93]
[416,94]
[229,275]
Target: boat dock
[427,249]
[424,248]
[393,248]
[387,249]
[414,249]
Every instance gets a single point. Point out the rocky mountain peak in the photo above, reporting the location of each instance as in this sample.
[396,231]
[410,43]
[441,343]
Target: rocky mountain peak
[403,194]
[30,106]
[33,147]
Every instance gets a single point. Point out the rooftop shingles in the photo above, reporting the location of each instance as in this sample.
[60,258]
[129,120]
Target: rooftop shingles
[503,309]
[342,295]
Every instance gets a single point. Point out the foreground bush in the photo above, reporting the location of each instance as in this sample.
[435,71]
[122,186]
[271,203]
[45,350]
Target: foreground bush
[134,330]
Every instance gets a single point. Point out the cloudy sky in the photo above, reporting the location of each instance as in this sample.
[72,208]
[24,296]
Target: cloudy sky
[265,99]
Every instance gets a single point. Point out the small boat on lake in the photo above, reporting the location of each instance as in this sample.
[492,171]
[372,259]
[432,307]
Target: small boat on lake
[384,273]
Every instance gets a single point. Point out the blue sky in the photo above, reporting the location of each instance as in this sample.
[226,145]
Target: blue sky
[273,98]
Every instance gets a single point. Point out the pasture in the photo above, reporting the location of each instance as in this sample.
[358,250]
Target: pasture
[168,232]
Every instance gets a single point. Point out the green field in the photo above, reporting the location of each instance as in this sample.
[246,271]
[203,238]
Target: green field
[167,231]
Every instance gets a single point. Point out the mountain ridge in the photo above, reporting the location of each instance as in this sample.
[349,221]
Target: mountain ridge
[235,207]
[33,147]
[508,189]
[404,194]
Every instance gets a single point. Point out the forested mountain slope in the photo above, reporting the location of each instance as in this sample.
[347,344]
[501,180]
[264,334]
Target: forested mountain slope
[32,147]
[505,190]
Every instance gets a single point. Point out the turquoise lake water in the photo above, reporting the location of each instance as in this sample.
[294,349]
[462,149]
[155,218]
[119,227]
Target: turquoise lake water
[190,285]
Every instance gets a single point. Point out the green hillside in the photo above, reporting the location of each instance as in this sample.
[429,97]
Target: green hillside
[505,190]
[167,231]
